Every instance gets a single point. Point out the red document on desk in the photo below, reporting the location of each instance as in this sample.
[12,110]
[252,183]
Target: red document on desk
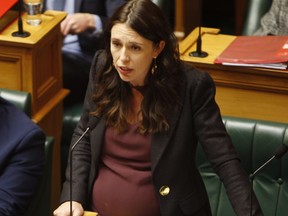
[256,51]
[5,5]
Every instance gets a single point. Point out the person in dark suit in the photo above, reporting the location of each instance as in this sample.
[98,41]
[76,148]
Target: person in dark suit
[82,31]
[153,110]
[21,159]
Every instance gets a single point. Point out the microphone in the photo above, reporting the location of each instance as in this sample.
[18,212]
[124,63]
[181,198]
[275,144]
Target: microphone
[20,32]
[199,53]
[279,152]
[93,122]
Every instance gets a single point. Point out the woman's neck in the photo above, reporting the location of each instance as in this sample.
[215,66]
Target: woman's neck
[135,102]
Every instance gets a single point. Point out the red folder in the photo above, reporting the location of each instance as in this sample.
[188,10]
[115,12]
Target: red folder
[5,5]
[255,50]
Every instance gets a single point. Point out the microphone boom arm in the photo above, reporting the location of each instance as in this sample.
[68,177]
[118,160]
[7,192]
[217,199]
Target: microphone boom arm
[261,167]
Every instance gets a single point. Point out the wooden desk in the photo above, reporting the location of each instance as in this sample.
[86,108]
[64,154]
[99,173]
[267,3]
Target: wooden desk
[241,91]
[34,64]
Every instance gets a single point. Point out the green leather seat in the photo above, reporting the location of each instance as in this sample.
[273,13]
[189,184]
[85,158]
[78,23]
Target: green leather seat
[41,203]
[255,10]
[71,117]
[255,142]
[20,99]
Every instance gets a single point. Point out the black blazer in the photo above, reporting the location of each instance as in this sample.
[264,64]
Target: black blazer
[172,152]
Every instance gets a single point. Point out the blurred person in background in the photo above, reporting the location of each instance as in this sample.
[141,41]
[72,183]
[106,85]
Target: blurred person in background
[275,21]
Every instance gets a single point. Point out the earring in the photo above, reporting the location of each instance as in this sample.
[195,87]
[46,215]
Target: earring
[154,67]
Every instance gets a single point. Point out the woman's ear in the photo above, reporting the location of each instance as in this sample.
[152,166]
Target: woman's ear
[159,47]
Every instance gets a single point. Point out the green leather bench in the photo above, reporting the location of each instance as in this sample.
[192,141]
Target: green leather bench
[255,142]
[20,99]
[71,117]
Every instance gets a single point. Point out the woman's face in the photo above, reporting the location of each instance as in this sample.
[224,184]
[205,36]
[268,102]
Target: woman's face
[132,54]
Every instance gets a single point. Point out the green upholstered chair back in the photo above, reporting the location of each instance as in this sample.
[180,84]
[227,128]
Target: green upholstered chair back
[255,10]
[255,142]
[19,98]
[71,117]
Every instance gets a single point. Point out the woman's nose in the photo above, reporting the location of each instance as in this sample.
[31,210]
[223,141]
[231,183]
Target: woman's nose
[124,55]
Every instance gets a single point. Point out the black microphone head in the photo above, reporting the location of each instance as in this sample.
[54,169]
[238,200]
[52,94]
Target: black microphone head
[93,122]
[280,151]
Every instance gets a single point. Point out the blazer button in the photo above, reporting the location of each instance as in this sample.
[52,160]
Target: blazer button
[164,190]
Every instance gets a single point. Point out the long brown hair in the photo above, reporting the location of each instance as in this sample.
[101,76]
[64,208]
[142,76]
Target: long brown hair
[112,94]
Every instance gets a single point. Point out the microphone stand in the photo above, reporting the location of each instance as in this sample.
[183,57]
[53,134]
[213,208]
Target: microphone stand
[199,53]
[91,125]
[71,151]
[20,33]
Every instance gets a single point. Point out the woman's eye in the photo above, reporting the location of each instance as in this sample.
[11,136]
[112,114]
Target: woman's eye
[116,44]
[135,48]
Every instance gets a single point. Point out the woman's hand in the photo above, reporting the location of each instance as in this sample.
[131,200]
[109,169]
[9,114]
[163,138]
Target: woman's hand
[64,209]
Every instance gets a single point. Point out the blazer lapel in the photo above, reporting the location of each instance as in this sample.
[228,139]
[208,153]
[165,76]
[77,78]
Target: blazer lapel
[160,140]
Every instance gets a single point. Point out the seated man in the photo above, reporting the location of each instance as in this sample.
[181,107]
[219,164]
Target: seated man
[21,159]
[82,31]
[275,21]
